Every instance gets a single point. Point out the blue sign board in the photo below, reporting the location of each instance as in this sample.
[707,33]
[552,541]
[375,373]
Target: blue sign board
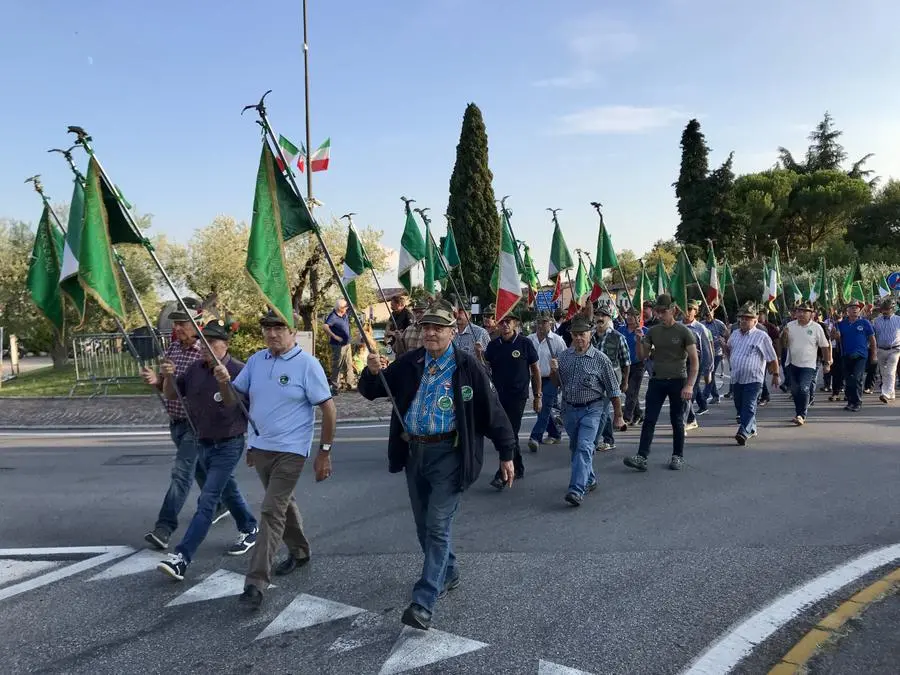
[893,281]
[545,303]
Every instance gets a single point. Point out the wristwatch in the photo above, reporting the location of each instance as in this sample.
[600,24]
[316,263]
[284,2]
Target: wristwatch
[325,447]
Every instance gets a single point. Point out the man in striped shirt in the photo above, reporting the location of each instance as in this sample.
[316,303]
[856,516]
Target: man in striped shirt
[887,342]
[586,381]
[749,352]
[181,353]
[470,338]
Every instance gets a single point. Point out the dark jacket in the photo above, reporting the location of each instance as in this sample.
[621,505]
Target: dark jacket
[476,418]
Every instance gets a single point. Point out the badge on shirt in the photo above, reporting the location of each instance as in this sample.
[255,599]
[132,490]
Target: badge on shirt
[217,397]
[283,380]
[859,328]
[467,393]
[809,331]
[516,353]
[676,340]
[445,403]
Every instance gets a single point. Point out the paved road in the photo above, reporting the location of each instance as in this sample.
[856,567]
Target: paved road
[640,579]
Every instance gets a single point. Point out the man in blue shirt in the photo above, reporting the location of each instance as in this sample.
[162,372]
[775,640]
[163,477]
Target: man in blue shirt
[857,338]
[705,350]
[446,406]
[284,385]
[337,327]
[633,332]
[720,333]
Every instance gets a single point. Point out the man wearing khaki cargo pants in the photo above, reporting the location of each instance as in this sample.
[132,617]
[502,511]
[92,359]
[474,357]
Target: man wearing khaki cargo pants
[283,384]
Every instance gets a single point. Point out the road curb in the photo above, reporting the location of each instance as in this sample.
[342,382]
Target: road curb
[828,630]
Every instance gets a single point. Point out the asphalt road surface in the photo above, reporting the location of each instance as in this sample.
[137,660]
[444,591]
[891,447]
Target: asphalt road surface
[643,578]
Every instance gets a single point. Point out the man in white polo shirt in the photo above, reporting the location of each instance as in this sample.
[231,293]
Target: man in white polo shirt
[284,384]
[803,338]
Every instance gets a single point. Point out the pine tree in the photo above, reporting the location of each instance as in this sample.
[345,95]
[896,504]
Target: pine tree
[691,186]
[472,209]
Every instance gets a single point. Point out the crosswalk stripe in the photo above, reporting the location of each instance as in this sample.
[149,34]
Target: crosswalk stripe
[219,584]
[416,648]
[550,668]
[142,561]
[306,611]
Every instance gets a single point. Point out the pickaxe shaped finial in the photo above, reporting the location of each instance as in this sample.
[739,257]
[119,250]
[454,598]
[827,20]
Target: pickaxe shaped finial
[597,206]
[423,213]
[407,202]
[258,107]
[82,136]
[449,219]
[38,186]
[554,211]
[68,155]
[349,217]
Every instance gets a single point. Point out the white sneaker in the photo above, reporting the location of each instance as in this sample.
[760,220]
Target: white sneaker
[690,426]
[532,445]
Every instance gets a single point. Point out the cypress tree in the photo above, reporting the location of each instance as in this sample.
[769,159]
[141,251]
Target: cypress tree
[476,222]
[691,186]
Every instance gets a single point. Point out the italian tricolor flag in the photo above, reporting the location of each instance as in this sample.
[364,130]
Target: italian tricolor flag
[509,285]
[320,158]
[291,154]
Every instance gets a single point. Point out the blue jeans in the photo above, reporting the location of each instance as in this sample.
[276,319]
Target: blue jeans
[544,420]
[745,399]
[432,479]
[185,469]
[854,371]
[605,429]
[800,379]
[712,389]
[219,459]
[657,392]
[582,426]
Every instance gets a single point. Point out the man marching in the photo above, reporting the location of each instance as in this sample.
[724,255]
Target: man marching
[448,406]
[586,381]
[887,341]
[514,362]
[671,345]
[857,338]
[284,385]
[220,440]
[802,338]
[749,352]
[548,346]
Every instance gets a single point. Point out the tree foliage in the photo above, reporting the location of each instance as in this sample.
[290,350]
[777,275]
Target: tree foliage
[875,229]
[689,188]
[476,222]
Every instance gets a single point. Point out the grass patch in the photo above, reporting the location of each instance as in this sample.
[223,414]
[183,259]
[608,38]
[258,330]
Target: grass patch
[51,382]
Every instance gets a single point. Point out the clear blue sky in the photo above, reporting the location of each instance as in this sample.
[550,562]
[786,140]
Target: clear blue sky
[583,100]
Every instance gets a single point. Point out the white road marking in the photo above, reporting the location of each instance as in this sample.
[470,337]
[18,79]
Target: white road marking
[726,652]
[142,561]
[13,570]
[366,629]
[550,668]
[219,584]
[306,611]
[100,556]
[416,648]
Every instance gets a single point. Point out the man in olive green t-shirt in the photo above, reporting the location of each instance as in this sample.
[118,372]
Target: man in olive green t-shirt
[673,348]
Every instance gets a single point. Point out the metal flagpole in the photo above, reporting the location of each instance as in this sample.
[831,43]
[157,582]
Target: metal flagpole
[349,217]
[309,191]
[273,138]
[84,140]
[128,343]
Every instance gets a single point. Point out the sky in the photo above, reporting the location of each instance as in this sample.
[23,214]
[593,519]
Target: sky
[583,100]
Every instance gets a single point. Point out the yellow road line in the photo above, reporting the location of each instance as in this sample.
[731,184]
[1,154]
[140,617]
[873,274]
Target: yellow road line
[794,662]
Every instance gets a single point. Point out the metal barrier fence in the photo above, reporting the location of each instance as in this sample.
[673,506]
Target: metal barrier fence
[104,359]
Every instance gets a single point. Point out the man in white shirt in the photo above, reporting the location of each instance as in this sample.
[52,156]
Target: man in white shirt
[887,343]
[803,338]
[549,346]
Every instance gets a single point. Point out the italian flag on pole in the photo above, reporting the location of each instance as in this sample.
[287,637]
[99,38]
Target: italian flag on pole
[713,291]
[509,285]
[291,153]
[321,157]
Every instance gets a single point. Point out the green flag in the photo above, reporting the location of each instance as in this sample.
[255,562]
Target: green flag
[355,262]
[727,276]
[278,215]
[817,288]
[662,278]
[680,279]
[852,289]
[605,259]
[531,277]
[792,291]
[451,253]
[884,290]
[412,250]
[560,258]
[833,294]
[582,283]
[643,291]
[96,269]
[764,298]
[68,275]
[43,270]
[431,262]
[120,228]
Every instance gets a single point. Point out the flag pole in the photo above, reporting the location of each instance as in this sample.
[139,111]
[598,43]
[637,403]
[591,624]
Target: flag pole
[309,172]
[462,278]
[128,343]
[349,217]
[463,303]
[722,295]
[697,281]
[84,140]
[273,138]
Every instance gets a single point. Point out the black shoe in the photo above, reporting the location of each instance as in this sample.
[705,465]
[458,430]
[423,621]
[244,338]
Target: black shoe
[573,499]
[519,475]
[740,438]
[450,585]
[288,565]
[498,483]
[590,487]
[252,597]
[158,539]
[175,566]
[416,616]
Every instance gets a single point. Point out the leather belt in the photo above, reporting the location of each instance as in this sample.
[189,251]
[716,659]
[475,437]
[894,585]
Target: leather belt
[891,348]
[584,405]
[434,438]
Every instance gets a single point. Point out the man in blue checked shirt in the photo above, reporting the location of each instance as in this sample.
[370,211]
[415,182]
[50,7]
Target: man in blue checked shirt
[447,405]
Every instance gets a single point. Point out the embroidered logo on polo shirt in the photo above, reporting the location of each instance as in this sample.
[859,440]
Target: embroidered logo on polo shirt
[217,397]
[467,393]
[283,380]
[516,353]
[859,328]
